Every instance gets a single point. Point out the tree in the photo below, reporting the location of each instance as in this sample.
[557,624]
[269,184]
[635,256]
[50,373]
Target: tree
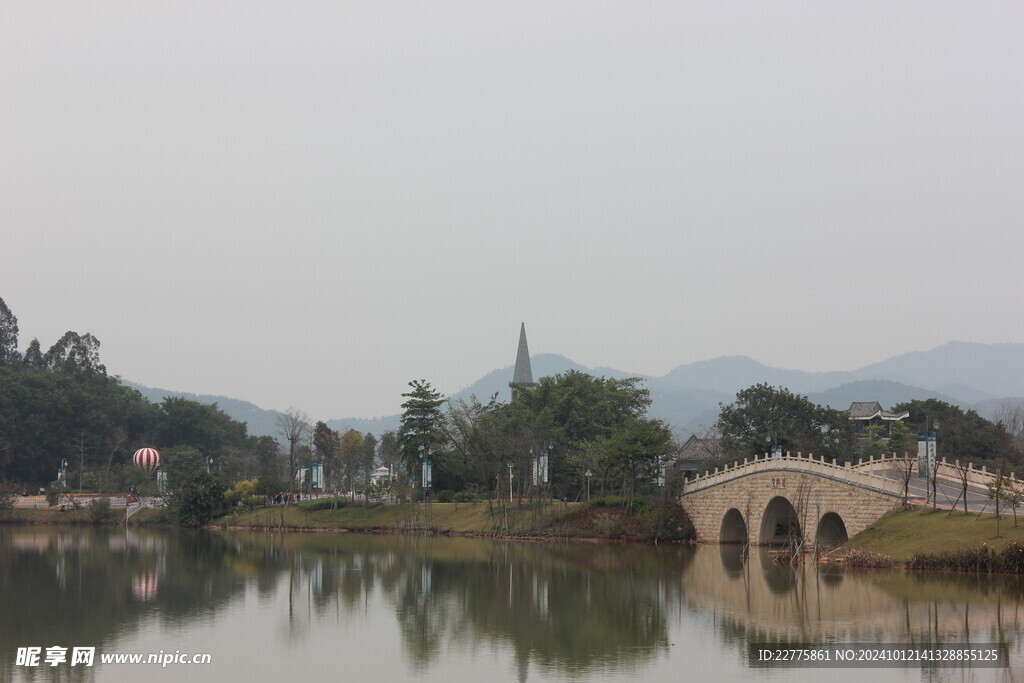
[198,499]
[635,453]
[421,424]
[293,426]
[350,451]
[325,445]
[763,416]
[75,354]
[8,336]
[33,357]
[368,459]
[390,456]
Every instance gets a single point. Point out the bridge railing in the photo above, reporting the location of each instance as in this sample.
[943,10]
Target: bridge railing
[945,470]
[795,463]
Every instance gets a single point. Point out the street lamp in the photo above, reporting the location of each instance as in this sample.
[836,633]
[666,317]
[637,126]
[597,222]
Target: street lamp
[588,475]
[510,483]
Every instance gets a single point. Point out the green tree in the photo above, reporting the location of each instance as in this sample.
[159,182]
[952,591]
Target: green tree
[8,336]
[76,354]
[635,452]
[421,424]
[350,451]
[33,357]
[198,498]
[390,456]
[763,416]
[368,458]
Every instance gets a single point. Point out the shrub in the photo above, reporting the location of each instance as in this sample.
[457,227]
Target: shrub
[463,497]
[8,497]
[239,491]
[1013,557]
[866,558]
[445,496]
[666,521]
[982,558]
[609,525]
[99,510]
[323,503]
[198,499]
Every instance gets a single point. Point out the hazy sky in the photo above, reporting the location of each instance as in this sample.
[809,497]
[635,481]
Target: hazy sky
[310,203]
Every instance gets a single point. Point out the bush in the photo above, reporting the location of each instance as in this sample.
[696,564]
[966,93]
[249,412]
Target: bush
[323,503]
[1013,557]
[99,510]
[445,496]
[866,558]
[239,491]
[8,497]
[463,497]
[982,558]
[198,499]
[609,525]
[665,521]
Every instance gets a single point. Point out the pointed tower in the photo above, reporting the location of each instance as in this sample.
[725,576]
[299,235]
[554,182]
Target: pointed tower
[522,377]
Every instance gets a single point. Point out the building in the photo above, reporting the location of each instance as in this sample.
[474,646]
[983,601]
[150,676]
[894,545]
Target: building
[865,414]
[696,454]
[522,376]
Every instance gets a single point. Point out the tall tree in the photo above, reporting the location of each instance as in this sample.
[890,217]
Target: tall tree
[350,453]
[8,336]
[420,424]
[293,425]
[390,456]
[77,354]
[34,356]
[368,459]
[325,445]
[763,416]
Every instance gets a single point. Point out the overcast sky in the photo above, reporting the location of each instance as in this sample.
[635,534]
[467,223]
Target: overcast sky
[311,203]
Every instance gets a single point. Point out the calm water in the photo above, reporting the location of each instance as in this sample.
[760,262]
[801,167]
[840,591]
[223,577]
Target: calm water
[271,607]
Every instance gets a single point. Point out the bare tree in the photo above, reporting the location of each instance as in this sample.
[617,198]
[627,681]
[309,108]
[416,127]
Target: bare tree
[962,472]
[1011,414]
[293,425]
[904,468]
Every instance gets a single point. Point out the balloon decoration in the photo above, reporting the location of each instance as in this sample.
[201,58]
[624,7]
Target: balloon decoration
[147,460]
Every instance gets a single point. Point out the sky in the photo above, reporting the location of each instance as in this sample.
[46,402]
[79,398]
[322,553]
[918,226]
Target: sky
[308,204]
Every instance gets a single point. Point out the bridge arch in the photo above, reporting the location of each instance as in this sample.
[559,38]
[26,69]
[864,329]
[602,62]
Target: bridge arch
[734,527]
[779,523]
[831,531]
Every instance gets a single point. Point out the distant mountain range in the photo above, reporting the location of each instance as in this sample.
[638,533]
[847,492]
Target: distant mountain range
[973,376]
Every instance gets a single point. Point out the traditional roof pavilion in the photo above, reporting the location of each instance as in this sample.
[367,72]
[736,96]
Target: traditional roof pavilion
[870,414]
[872,410]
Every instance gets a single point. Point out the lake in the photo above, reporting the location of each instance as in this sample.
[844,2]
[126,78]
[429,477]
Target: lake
[295,607]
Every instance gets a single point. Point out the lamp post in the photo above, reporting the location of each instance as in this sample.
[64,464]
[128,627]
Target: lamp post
[588,475]
[510,483]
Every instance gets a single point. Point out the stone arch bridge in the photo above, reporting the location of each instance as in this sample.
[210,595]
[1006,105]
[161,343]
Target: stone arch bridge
[772,500]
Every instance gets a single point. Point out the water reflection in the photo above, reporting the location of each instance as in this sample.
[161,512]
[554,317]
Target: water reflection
[436,607]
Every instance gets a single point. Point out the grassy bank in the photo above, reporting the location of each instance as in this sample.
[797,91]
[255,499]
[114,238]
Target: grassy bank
[905,533]
[454,518]
[610,519]
[53,515]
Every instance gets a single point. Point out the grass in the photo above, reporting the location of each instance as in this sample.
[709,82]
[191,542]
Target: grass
[52,515]
[904,533]
[458,518]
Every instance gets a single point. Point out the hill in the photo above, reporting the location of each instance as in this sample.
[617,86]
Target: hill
[687,398]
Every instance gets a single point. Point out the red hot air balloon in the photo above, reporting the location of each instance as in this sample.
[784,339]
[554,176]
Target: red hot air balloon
[147,460]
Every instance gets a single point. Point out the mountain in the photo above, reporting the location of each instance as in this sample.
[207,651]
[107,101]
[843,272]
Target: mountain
[688,397]
[993,369]
[886,392]
[260,421]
